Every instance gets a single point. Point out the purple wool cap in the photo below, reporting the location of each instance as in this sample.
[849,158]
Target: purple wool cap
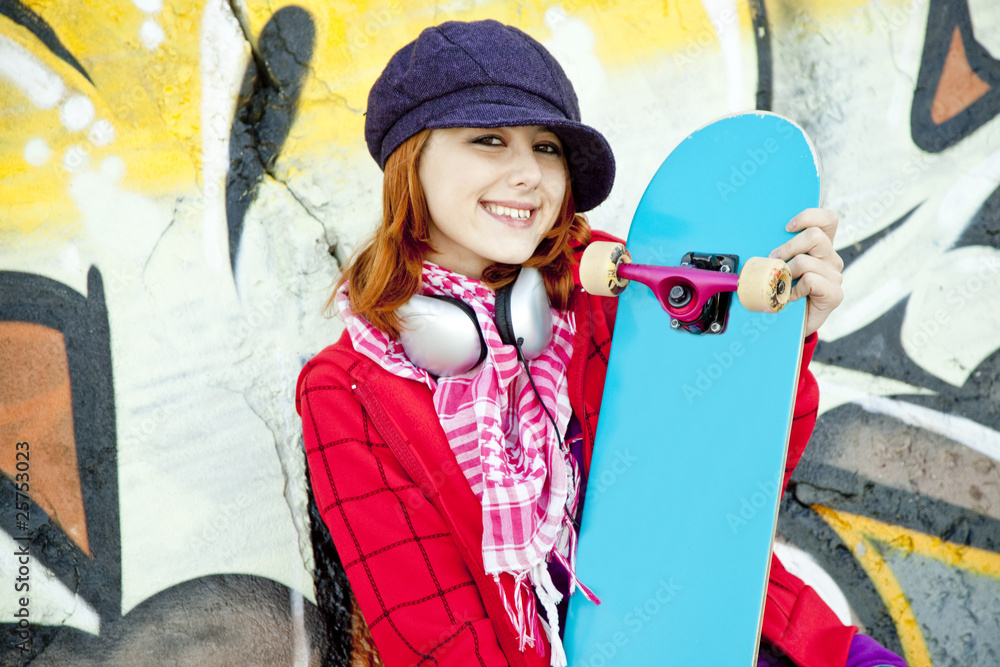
[485,74]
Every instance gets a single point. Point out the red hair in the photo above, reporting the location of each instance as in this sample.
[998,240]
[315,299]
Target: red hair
[386,272]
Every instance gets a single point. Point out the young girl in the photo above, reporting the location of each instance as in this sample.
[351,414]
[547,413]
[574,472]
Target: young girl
[447,433]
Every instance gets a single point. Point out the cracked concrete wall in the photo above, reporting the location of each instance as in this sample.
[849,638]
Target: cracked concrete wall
[179,180]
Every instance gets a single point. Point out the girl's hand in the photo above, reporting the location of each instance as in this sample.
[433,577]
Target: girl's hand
[811,258]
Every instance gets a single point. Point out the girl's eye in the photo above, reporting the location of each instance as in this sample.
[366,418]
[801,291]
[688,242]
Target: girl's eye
[489,140]
[549,147]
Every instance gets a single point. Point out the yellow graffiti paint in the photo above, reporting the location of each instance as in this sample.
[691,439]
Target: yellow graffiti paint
[149,98]
[970,559]
[864,536]
[152,96]
[888,587]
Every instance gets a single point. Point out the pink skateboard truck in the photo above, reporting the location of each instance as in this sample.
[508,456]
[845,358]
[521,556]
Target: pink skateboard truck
[697,294]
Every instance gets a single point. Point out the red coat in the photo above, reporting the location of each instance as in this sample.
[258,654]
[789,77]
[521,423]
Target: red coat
[408,527]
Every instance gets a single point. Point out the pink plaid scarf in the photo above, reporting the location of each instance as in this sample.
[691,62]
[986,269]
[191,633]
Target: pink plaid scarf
[505,445]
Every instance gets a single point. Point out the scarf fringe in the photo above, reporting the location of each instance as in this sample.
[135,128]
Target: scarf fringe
[574,582]
[523,613]
[523,616]
[570,566]
[550,596]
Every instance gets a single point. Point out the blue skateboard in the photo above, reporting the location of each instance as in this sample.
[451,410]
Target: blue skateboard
[682,498]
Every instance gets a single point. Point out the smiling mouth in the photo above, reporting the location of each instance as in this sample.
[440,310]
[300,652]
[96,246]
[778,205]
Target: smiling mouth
[509,212]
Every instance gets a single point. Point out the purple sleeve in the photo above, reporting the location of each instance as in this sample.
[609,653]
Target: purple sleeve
[864,652]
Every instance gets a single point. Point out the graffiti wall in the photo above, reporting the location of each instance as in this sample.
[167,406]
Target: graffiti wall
[180,179]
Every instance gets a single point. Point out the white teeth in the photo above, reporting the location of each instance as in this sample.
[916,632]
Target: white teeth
[516,213]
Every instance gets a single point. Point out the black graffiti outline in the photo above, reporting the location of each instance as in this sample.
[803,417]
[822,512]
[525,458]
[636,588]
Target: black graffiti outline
[265,110]
[943,17]
[23,16]
[765,66]
[83,322]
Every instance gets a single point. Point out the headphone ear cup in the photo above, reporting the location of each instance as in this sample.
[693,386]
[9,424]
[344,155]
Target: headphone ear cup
[522,313]
[502,315]
[441,335]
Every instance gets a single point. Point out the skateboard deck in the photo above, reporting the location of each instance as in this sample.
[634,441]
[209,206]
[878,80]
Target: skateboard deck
[681,501]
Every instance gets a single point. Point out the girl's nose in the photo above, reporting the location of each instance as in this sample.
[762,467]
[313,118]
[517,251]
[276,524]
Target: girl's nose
[525,172]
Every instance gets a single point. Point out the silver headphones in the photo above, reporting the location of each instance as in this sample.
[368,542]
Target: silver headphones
[441,335]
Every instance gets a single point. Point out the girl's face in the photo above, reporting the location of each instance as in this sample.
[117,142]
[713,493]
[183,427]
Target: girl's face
[492,194]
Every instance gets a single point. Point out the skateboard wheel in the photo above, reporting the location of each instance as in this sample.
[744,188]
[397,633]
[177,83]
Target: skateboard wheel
[599,268]
[765,285]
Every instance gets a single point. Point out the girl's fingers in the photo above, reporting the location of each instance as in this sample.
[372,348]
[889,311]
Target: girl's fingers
[824,295]
[818,288]
[803,264]
[820,218]
[812,241]
[815,264]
